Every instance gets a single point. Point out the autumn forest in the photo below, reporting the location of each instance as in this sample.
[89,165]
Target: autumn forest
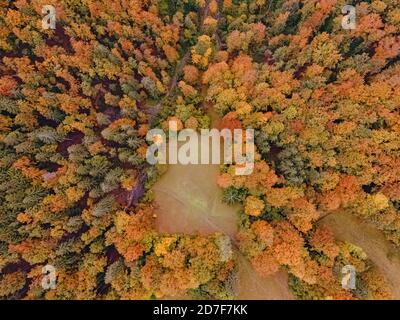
[76,104]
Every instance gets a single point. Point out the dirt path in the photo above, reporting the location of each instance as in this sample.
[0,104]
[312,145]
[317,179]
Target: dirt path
[372,241]
[253,287]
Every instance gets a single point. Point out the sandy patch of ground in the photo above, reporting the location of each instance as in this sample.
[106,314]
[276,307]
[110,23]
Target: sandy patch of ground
[189,201]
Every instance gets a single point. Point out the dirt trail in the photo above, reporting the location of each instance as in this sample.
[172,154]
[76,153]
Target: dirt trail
[253,287]
[372,241]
